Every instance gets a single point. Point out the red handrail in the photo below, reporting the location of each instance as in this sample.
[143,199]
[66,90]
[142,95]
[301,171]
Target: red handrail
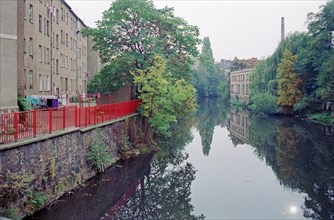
[28,124]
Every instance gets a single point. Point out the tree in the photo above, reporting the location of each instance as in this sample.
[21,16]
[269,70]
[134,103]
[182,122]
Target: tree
[132,32]
[289,83]
[325,80]
[163,97]
[205,77]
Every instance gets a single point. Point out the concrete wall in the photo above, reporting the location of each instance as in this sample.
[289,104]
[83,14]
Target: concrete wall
[58,162]
[8,55]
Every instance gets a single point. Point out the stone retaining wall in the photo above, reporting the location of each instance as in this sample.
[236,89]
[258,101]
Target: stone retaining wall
[58,162]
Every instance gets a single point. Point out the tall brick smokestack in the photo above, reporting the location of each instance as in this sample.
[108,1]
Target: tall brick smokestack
[282,29]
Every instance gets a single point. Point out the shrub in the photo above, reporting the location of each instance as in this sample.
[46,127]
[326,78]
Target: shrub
[23,104]
[264,102]
[99,154]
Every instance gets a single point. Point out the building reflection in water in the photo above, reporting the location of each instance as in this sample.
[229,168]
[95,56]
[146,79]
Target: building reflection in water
[239,125]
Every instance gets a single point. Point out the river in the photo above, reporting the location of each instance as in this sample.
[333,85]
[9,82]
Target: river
[220,163]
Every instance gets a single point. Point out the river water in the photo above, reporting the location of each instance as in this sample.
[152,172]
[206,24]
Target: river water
[220,163]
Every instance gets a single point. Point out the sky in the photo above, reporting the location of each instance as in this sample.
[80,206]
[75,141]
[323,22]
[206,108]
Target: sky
[236,28]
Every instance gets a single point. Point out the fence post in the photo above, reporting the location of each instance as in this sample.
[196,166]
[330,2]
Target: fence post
[86,115]
[34,121]
[94,115]
[50,120]
[76,116]
[64,114]
[102,113]
[16,126]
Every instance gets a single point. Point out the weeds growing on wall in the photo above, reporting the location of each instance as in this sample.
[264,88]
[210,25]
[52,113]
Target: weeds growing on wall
[99,154]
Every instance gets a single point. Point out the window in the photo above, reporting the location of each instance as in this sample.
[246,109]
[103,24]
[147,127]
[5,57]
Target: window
[57,16]
[40,23]
[47,56]
[62,37]
[40,84]
[57,41]
[44,26]
[62,63]
[66,40]
[24,45]
[62,14]
[47,27]
[40,53]
[48,83]
[71,43]
[30,13]
[66,62]
[57,66]
[30,47]
[66,17]
[30,79]
[44,54]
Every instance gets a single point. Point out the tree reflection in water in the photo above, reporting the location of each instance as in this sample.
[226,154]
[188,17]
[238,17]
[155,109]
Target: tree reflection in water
[302,156]
[211,112]
[164,192]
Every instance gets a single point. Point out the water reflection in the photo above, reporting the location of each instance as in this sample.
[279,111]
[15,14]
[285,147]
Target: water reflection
[239,125]
[301,155]
[210,114]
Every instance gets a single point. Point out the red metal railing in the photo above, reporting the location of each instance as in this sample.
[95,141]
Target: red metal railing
[15,126]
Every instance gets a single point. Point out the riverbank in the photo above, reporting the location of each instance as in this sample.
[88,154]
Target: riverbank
[38,173]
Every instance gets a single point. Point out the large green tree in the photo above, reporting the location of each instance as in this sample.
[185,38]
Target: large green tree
[163,97]
[132,32]
[205,77]
[289,83]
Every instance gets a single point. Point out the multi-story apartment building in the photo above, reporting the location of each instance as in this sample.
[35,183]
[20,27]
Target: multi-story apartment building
[239,84]
[42,50]
[8,54]
[54,50]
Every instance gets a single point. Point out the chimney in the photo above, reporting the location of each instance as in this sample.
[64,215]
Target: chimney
[282,29]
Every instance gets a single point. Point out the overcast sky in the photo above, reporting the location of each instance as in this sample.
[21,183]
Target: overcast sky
[238,28]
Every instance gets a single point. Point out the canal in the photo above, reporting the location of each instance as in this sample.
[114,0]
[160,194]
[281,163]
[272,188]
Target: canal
[220,163]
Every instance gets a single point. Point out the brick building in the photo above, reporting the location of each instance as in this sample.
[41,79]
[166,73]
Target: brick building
[239,84]
[48,53]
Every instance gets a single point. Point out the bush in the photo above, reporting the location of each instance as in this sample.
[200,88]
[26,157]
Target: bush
[264,102]
[324,117]
[99,154]
[23,104]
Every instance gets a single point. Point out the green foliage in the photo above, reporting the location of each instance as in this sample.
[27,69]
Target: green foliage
[205,77]
[23,104]
[325,79]
[11,213]
[99,154]
[324,117]
[264,102]
[131,33]
[225,90]
[35,201]
[164,98]
[289,83]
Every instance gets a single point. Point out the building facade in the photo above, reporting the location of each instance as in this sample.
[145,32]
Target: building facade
[239,125]
[42,51]
[8,55]
[54,50]
[239,85]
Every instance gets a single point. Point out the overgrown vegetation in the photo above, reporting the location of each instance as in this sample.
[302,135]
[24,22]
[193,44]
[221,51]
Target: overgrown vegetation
[129,38]
[99,154]
[304,79]
[324,117]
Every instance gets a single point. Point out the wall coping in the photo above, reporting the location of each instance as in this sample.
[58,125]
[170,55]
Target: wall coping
[44,137]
